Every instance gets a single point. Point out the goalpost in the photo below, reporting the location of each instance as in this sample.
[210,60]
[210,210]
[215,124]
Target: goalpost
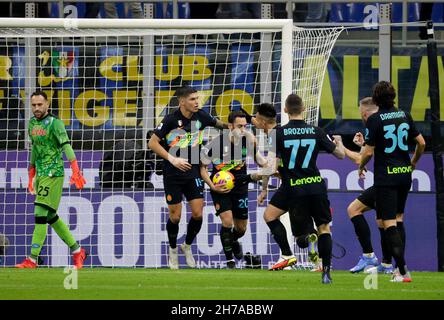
[111,82]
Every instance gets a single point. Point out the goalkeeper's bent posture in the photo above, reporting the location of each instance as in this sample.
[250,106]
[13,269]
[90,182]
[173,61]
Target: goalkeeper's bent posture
[49,139]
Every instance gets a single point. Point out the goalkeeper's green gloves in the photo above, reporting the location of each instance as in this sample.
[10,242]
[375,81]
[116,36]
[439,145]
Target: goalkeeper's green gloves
[31,175]
[77,177]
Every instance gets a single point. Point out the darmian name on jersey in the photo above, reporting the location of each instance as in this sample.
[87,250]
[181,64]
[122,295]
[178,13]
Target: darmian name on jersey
[307,180]
[397,170]
[392,115]
[292,131]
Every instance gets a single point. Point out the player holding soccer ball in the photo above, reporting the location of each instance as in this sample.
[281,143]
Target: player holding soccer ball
[228,153]
[49,140]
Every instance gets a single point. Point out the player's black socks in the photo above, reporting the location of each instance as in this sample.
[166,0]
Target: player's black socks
[172,230]
[401,231]
[226,238]
[280,236]
[395,242]
[386,254]
[325,246]
[363,232]
[236,234]
[302,241]
[193,229]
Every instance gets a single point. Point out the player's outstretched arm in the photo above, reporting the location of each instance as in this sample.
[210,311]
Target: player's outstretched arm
[353,156]
[339,151]
[419,150]
[221,125]
[254,151]
[76,177]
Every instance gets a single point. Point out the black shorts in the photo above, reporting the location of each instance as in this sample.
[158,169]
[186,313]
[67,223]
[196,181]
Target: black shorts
[368,197]
[175,189]
[315,206]
[236,202]
[390,201]
[280,200]
[301,224]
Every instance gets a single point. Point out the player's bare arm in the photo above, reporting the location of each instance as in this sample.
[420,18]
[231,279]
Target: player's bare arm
[352,155]
[419,150]
[157,148]
[221,125]
[366,155]
[339,151]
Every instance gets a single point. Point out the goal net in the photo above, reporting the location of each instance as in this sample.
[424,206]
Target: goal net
[111,82]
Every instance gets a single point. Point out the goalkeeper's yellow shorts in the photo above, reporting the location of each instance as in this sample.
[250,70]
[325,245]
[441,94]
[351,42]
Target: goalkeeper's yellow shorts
[48,191]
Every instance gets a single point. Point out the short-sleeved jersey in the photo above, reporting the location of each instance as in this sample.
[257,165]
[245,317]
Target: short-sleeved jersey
[389,131]
[228,156]
[298,145]
[183,137]
[48,135]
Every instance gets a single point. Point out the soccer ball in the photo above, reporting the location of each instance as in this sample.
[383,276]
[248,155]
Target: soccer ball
[224,178]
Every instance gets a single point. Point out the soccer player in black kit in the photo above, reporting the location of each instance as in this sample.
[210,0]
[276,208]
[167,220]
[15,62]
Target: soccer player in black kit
[182,134]
[387,135]
[228,152]
[303,189]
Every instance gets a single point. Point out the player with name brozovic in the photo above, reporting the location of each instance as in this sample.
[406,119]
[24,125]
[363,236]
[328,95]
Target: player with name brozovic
[365,202]
[387,135]
[228,152]
[302,230]
[49,139]
[182,132]
[303,190]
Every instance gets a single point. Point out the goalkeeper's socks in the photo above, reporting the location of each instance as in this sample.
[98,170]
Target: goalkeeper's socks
[386,254]
[396,246]
[280,236]
[38,239]
[193,229]
[172,230]
[226,238]
[362,230]
[63,232]
[325,245]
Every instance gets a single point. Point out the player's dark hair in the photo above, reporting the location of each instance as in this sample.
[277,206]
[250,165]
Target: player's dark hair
[184,92]
[236,114]
[39,93]
[266,110]
[294,104]
[384,95]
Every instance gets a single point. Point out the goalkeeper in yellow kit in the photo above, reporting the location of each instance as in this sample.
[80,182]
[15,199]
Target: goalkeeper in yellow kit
[49,139]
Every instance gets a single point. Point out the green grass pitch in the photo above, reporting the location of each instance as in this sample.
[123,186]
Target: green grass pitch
[210,284]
